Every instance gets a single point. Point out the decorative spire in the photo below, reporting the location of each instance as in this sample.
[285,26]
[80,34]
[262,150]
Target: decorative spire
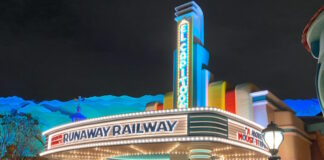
[78,116]
[80,99]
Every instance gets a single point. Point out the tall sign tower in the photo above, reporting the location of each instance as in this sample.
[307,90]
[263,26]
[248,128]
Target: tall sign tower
[190,74]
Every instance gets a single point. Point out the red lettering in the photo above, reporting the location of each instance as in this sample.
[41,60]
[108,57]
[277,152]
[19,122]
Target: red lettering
[57,137]
[239,136]
[57,140]
[251,140]
[56,143]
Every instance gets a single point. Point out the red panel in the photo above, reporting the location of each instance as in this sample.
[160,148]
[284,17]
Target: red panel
[159,107]
[230,104]
[56,140]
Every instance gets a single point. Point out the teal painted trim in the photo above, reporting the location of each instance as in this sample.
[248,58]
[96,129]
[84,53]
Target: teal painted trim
[208,124]
[316,127]
[204,129]
[200,156]
[209,134]
[315,47]
[259,98]
[208,119]
[208,114]
[200,151]
[208,130]
[188,124]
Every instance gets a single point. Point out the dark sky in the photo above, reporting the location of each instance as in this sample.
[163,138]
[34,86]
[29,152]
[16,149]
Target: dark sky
[59,49]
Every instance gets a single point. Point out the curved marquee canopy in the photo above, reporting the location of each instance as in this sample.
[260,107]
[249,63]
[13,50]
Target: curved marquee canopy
[165,132]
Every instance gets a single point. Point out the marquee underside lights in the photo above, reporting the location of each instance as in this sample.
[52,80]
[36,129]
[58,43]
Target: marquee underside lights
[183,141]
[183,70]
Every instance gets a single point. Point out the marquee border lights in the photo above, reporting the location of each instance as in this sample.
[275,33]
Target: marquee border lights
[179,124]
[152,113]
[179,138]
[159,140]
[184,59]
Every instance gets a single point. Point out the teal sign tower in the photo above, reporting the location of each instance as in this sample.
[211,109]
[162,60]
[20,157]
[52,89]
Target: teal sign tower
[190,74]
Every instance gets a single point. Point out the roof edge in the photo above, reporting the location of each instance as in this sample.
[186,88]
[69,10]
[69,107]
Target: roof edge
[308,25]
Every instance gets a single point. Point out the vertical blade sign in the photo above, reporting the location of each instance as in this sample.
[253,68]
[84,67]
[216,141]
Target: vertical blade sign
[183,69]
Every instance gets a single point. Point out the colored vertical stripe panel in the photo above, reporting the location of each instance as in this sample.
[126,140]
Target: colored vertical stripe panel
[216,95]
[230,103]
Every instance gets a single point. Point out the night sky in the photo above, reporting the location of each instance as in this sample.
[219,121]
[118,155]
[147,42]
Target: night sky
[60,49]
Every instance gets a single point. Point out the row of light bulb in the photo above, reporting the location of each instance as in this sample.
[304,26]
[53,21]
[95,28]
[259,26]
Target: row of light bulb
[148,113]
[157,140]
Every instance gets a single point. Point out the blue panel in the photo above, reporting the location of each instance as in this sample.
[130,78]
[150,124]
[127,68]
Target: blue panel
[198,75]
[307,107]
[200,58]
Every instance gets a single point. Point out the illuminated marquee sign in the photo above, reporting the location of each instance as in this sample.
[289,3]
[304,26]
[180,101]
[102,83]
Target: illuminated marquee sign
[123,129]
[251,136]
[183,69]
[245,134]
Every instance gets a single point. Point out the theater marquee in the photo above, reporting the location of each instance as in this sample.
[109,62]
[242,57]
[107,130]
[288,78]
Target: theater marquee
[172,127]
[165,126]
[245,134]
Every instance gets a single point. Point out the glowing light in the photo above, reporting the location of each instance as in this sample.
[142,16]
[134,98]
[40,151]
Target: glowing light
[183,64]
[200,156]
[153,113]
[259,93]
[159,140]
[201,150]
[137,149]
[173,148]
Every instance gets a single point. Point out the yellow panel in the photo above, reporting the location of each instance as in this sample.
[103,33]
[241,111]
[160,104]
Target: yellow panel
[216,94]
[168,101]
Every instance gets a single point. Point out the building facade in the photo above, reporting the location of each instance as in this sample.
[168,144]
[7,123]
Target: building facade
[198,120]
